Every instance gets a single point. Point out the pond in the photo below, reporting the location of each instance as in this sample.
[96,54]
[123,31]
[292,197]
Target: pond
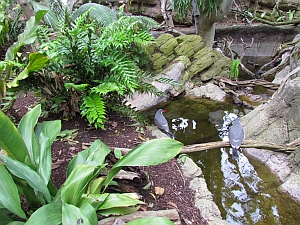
[244,189]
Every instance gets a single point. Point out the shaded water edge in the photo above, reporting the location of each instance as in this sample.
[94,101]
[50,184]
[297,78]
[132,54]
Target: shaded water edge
[244,189]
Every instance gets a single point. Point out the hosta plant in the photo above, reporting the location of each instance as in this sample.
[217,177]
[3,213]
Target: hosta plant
[25,169]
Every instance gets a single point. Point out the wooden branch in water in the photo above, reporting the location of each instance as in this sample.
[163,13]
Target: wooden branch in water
[246,144]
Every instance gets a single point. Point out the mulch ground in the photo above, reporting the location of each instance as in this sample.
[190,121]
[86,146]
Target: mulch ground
[119,132]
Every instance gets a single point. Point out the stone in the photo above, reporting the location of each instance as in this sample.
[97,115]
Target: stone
[203,197]
[209,90]
[145,101]
[168,47]
[220,67]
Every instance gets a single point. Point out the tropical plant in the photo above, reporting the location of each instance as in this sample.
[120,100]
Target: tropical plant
[234,70]
[13,70]
[4,22]
[26,168]
[92,68]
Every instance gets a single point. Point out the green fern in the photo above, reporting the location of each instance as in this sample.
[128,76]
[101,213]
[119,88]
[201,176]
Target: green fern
[93,108]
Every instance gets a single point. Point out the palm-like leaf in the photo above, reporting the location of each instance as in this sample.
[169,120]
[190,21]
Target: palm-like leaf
[99,13]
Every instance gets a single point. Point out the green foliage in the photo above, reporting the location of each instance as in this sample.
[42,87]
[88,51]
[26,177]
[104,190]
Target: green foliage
[4,22]
[94,110]
[91,66]
[25,170]
[206,7]
[234,70]
[14,71]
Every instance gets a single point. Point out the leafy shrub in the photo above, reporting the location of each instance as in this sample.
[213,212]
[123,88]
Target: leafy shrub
[92,68]
[26,168]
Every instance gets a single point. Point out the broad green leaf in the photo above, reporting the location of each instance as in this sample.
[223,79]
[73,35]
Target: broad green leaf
[26,129]
[89,211]
[146,155]
[151,221]
[11,140]
[16,223]
[96,185]
[120,200]
[96,200]
[24,172]
[94,155]
[27,37]
[118,210]
[50,214]
[46,133]
[77,183]
[9,195]
[36,62]
[73,215]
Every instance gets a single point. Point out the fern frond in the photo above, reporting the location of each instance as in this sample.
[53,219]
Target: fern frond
[166,80]
[99,13]
[93,108]
[106,87]
[78,87]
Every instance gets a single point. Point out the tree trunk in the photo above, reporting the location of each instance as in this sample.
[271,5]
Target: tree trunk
[207,25]
[26,8]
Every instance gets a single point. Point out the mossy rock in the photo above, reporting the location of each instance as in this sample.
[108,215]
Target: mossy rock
[159,63]
[189,38]
[189,48]
[168,47]
[221,67]
[163,38]
[203,63]
[151,48]
[155,56]
[202,53]
[185,60]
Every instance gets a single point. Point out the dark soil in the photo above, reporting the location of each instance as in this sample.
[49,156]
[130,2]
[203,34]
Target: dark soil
[120,133]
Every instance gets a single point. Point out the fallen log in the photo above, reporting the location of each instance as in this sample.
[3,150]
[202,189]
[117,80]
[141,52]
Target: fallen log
[246,144]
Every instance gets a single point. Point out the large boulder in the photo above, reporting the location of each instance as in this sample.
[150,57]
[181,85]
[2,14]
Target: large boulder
[278,122]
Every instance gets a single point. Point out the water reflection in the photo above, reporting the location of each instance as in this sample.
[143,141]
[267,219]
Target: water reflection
[244,190]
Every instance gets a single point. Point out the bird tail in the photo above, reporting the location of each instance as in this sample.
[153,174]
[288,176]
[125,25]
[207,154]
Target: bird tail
[170,135]
[235,153]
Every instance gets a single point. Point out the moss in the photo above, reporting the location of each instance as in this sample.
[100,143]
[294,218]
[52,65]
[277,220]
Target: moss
[201,64]
[185,60]
[159,63]
[221,67]
[189,38]
[168,47]
[151,48]
[162,39]
[188,49]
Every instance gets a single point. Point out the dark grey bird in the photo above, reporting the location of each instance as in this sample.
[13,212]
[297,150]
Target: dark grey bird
[236,136]
[162,123]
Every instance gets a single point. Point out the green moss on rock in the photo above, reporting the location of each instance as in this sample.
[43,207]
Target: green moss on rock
[185,60]
[168,47]
[163,38]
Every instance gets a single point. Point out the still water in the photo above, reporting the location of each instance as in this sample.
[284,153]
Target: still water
[244,190]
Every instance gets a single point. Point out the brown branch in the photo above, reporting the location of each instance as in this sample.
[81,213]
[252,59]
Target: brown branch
[251,83]
[246,144]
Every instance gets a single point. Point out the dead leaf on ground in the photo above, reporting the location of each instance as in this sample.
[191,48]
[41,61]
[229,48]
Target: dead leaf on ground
[172,204]
[159,190]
